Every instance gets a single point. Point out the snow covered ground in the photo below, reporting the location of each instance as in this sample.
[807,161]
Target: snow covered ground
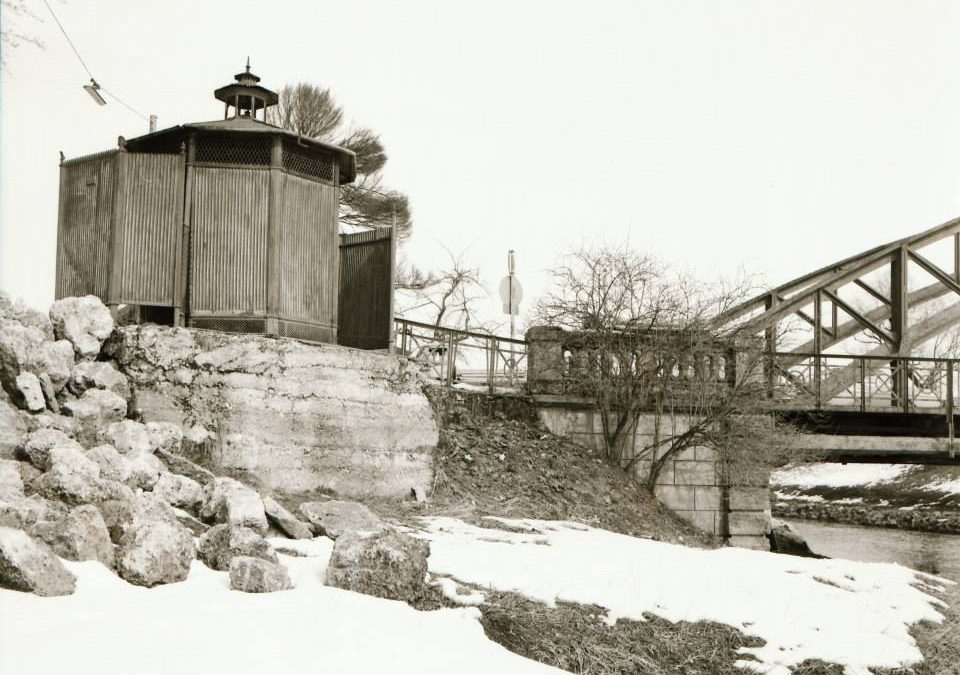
[109,627]
[855,614]
[838,475]
[950,487]
[850,613]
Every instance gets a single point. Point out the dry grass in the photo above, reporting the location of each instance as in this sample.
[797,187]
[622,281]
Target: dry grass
[576,639]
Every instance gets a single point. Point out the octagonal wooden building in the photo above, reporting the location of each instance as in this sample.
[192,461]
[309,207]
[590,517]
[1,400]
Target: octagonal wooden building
[228,225]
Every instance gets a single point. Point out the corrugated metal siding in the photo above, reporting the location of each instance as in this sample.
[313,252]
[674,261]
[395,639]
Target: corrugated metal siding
[229,246]
[83,240]
[308,251]
[366,284]
[149,216]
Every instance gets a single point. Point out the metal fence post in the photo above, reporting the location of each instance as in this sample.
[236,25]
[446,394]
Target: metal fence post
[949,406]
[905,379]
[863,384]
[450,358]
[491,362]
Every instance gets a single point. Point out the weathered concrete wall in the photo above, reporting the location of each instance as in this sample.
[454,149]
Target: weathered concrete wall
[690,484]
[287,415]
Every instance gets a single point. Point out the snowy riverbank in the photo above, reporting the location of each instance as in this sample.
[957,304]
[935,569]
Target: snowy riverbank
[902,496]
[858,615]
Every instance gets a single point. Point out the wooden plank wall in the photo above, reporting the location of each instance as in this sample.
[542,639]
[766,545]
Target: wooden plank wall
[84,226]
[229,248]
[149,213]
[308,251]
[366,287]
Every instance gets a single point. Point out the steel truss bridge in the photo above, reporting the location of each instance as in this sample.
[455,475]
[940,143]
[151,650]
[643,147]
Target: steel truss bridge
[863,364]
[874,324]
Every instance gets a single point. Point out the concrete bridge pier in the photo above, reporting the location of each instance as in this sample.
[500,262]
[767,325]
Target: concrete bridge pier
[692,484]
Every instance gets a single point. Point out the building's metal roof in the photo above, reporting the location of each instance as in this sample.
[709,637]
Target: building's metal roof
[346,159]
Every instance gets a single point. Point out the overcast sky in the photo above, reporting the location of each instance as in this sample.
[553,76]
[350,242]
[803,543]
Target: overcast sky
[765,136]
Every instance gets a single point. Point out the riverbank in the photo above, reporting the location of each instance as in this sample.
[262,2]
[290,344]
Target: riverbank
[937,554]
[900,496]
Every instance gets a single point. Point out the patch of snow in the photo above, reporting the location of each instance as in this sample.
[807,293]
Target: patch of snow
[110,627]
[798,498]
[850,613]
[451,591]
[848,500]
[838,475]
[951,487]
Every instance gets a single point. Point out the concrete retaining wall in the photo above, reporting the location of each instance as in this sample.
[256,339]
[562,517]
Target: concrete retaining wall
[284,414]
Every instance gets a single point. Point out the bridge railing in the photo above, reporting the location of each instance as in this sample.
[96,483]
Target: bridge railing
[866,383]
[464,357]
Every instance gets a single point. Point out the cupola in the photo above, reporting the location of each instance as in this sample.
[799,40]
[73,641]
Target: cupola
[245,96]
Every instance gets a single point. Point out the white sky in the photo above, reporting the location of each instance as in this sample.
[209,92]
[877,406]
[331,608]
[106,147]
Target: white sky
[772,137]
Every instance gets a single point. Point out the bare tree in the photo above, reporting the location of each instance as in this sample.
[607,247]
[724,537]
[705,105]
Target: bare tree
[639,346]
[451,293]
[312,111]
[12,33]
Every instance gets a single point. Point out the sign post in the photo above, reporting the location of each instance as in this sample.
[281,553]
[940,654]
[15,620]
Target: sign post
[511,294]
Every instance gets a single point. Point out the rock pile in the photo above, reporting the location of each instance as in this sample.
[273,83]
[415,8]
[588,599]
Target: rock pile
[82,479]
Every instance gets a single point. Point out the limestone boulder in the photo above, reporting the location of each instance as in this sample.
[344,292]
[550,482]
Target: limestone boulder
[125,513]
[39,443]
[30,391]
[28,565]
[11,479]
[179,491]
[81,535]
[386,564]
[29,475]
[145,470]
[49,392]
[72,477]
[113,465]
[333,518]
[13,428]
[18,345]
[25,512]
[50,420]
[155,552]
[98,375]
[229,501]
[784,539]
[165,436]
[222,543]
[179,464]
[84,321]
[127,436]
[55,359]
[196,526]
[95,409]
[17,310]
[254,575]
[285,521]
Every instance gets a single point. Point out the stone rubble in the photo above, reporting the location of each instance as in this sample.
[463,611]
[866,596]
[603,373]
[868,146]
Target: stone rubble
[81,480]
[28,565]
[222,543]
[334,517]
[254,575]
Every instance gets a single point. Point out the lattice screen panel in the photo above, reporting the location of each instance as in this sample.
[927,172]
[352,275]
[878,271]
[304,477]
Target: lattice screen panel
[307,162]
[233,150]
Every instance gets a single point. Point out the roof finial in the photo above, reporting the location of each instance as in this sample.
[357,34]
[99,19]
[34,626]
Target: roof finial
[248,64]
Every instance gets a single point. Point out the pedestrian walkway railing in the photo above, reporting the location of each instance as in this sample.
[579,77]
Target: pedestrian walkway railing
[466,358]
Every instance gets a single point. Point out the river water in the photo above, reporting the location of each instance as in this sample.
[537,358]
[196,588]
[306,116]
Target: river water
[924,551]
